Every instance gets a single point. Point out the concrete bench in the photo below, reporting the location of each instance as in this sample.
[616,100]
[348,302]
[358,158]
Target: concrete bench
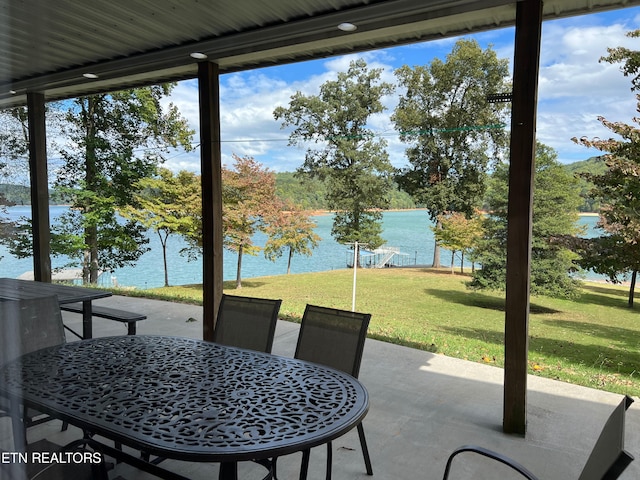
[130,318]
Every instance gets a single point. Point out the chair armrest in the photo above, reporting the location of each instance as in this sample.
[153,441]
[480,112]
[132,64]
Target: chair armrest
[489,454]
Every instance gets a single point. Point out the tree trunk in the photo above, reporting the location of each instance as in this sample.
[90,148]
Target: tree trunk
[289,261]
[163,242]
[436,250]
[91,263]
[632,288]
[86,260]
[453,257]
[462,262]
[90,266]
[94,269]
[238,274]
[436,256]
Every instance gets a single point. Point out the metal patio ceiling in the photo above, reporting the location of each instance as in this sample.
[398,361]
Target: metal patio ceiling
[48,45]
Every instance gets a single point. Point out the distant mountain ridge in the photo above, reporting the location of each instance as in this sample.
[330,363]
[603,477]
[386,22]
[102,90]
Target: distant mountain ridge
[594,166]
[310,193]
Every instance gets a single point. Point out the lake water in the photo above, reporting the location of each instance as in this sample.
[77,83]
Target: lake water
[406,230]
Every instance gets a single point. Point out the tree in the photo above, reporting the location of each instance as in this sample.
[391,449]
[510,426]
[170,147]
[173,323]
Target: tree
[168,205]
[14,167]
[6,226]
[14,139]
[555,202]
[594,165]
[611,255]
[114,141]
[353,161]
[248,197]
[291,230]
[459,234]
[452,130]
[617,254]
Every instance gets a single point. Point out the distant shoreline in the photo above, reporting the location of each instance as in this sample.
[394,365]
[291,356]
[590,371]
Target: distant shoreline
[317,213]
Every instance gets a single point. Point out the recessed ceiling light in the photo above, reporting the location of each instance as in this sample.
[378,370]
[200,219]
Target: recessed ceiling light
[198,55]
[90,75]
[347,27]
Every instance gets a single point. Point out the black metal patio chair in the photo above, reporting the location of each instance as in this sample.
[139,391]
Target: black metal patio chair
[607,460]
[27,326]
[247,322]
[334,338]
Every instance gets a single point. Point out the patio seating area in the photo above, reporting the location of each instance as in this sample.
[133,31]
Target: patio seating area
[423,406]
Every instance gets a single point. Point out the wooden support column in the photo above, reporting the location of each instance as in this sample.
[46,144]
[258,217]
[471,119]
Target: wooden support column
[521,178]
[39,187]
[211,171]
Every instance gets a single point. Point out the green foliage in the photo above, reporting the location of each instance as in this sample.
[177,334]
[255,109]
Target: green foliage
[399,199]
[629,58]
[311,193]
[581,170]
[16,194]
[21,195]
[555,204]
[352,162]
[167,204]
[618,188]
[453,132]
[14,143]
[459,233]
[115,140]
[308,193]
[290,230]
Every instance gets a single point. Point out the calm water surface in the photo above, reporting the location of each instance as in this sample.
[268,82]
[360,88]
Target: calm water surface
[408,231]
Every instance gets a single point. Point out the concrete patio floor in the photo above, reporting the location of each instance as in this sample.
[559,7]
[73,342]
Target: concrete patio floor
[423,406]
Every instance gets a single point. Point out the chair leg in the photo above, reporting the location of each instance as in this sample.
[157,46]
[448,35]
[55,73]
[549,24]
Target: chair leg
[304,468]
[365,450]
[329,460]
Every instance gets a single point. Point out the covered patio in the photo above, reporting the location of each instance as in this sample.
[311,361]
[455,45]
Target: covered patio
[423,405]
[58,50]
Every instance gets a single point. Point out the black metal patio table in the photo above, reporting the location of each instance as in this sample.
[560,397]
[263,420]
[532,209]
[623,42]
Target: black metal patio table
[188,399]
[15,289]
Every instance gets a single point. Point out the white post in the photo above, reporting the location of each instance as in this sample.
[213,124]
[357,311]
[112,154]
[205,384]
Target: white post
[355,268]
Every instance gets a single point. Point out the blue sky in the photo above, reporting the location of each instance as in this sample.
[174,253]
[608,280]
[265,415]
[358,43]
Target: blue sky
[574,89]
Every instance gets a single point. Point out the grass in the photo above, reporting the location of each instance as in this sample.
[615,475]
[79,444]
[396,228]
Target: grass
[592,341]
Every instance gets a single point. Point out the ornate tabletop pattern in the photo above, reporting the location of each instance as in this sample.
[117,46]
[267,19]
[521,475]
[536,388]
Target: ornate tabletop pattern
[190,399]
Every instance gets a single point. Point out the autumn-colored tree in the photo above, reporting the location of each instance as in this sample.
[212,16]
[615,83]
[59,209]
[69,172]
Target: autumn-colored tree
[617,253]
[290,230]
[458,234]
[167,204]
[249,197]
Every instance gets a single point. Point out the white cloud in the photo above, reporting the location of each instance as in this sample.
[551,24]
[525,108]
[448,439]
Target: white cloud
[574,89]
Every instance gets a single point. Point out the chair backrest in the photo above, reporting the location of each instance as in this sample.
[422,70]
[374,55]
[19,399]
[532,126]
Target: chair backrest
[608,458]
[29,325]
[247,322]
[333,337]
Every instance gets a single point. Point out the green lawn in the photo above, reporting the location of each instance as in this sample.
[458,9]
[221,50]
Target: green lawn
[592,341]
